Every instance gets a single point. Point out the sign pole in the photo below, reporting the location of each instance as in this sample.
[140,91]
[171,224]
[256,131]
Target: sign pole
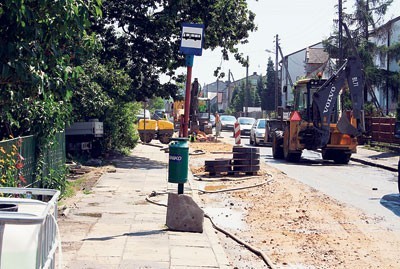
[189,64]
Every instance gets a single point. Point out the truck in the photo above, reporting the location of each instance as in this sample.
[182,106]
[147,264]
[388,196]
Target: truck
[84,137]
[317,121]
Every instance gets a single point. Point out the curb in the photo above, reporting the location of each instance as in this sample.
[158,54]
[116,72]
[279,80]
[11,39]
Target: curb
[374,164]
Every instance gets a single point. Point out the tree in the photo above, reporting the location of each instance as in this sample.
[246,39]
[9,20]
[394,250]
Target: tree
[368,15]
[237,103]
[144,37]
[268,96]
[41,46]
[101,93]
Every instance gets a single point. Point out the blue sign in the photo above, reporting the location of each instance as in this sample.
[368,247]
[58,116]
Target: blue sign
[192,39]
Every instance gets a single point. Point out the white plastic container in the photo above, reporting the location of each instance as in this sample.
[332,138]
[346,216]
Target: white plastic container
[28,236]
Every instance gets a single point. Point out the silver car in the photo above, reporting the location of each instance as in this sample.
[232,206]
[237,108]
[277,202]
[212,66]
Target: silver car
[257,132]
[227,122]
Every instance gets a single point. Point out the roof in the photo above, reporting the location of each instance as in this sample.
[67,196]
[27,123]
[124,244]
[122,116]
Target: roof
[316,56]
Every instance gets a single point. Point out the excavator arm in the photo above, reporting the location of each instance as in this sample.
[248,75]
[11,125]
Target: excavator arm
[325,99]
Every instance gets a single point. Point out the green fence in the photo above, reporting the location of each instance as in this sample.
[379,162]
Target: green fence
[23,149]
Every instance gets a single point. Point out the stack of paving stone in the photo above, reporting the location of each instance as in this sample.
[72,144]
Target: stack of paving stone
[246,160]
[218,166]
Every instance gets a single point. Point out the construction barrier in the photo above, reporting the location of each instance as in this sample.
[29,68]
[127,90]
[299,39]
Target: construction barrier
[237,133]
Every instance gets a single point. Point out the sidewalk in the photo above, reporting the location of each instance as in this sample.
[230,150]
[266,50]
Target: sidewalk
[119,229]
[386,160]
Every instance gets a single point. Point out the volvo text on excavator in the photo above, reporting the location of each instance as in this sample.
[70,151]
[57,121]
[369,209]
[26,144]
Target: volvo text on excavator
[317,120]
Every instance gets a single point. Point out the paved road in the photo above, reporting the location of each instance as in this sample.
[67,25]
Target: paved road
[371,189]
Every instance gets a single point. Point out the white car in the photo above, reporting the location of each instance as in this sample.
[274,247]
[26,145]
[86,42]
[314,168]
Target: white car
[257,132]
[245,125]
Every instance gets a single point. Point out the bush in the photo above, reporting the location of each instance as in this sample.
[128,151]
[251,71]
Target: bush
[120,132]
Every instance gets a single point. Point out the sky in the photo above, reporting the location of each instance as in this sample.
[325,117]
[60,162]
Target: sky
[298,23]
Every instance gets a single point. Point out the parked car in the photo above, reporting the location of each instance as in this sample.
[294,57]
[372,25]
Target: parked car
[257,132]
[227,122]
[245,125]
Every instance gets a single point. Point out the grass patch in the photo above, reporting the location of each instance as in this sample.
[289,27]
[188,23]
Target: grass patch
[73,186]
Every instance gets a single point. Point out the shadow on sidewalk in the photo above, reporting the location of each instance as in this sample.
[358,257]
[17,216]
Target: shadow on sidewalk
[136,234]
[134,162]
[382,155]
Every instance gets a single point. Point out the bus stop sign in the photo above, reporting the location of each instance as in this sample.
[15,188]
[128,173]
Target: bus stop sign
[192,39]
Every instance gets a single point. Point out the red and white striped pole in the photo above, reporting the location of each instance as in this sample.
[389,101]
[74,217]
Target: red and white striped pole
[236,131]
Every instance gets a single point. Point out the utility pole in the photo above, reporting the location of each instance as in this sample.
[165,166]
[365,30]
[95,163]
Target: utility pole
[218,96]
[276,73]
[340,45]
[246,91]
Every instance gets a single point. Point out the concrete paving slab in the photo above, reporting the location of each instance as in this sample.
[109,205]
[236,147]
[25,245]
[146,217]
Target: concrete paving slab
[192,256]
[121,230]
[132,264]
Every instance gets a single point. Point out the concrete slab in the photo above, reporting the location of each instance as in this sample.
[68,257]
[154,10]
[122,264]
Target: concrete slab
[192,256]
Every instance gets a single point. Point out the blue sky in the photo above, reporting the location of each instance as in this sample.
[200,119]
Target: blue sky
[298,23]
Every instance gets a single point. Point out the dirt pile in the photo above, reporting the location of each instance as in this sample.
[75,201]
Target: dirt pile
[294,224]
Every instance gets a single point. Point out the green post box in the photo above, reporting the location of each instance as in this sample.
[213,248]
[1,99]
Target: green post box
[178,160]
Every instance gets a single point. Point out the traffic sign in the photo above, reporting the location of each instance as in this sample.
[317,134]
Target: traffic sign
[192,39]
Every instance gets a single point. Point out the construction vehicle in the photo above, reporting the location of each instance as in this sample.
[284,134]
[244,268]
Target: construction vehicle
[84,138]
[316,120]
[200,111]
[177,112]
[162,130]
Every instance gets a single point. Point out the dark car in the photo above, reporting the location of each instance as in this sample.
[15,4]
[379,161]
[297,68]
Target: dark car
[245,125]
[227,122]
[271,126]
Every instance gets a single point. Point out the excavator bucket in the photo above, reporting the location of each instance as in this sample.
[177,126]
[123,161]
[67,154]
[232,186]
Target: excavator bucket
[344,126]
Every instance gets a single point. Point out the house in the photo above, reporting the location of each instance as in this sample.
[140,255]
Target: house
[387,35]
[218,94]
[304,63]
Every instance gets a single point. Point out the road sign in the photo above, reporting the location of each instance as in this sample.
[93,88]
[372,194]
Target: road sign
[192,39]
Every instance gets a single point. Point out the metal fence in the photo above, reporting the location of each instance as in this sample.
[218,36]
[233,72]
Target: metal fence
[381,129]
[26,146]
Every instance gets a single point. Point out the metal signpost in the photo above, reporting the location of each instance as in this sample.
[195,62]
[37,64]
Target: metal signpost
[192,40]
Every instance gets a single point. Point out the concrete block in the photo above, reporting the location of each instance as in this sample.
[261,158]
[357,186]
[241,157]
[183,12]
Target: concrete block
[183,214]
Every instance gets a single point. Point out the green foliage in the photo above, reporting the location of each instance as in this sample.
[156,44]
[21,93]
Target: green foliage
[147,40]
[56,179]
[370,110]
[42,47]
[101,93]
[120,131]
[156,103]
[237,103]
[268,94]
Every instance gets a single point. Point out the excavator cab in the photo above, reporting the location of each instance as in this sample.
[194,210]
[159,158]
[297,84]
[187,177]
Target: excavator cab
[304,90]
